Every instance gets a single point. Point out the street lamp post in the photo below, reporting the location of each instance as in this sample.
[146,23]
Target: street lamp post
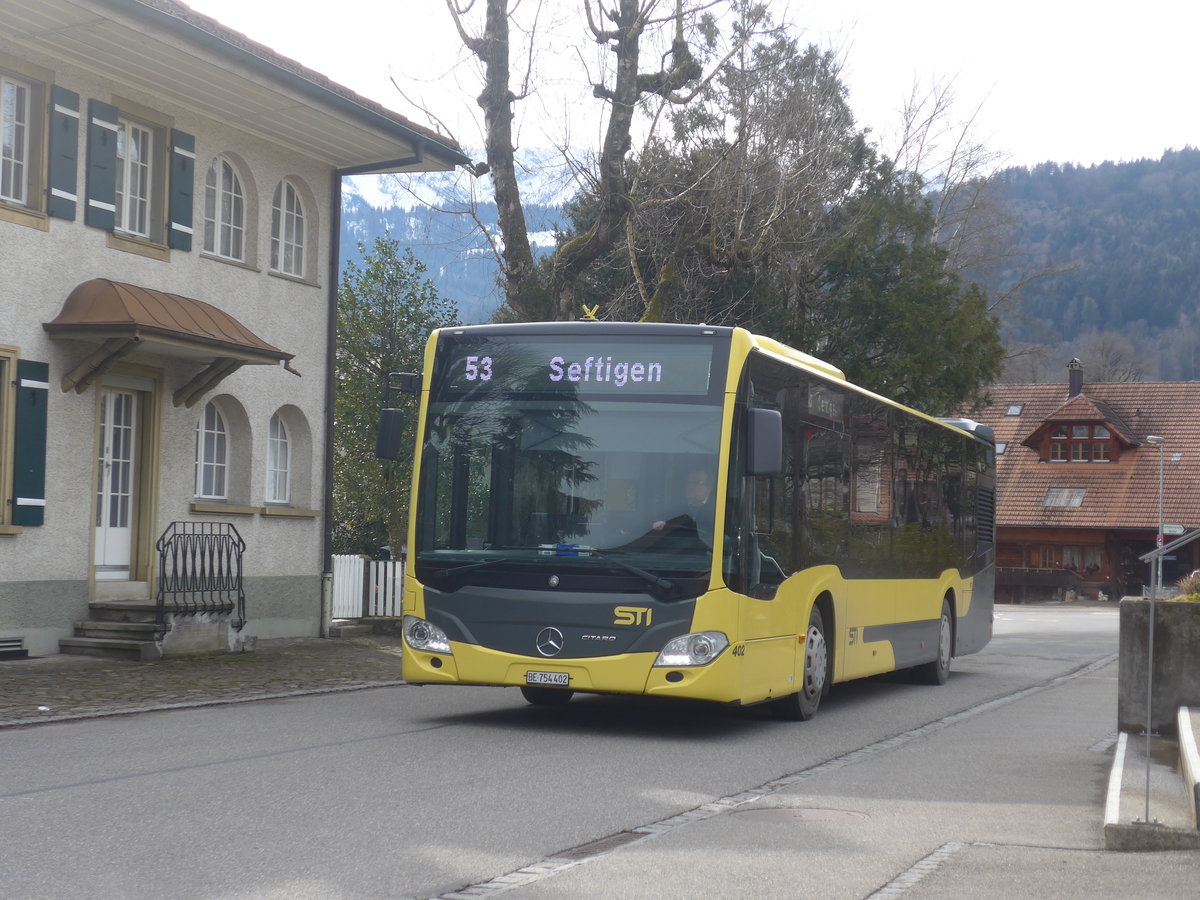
[1155,588]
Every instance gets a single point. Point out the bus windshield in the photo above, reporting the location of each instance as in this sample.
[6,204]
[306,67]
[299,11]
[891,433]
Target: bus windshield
[583,477]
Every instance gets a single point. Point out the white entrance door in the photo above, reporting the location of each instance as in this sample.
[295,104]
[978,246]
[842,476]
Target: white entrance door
[115,482]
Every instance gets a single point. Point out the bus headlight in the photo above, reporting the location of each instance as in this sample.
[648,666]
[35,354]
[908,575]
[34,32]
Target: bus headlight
[697,649]
[421,634]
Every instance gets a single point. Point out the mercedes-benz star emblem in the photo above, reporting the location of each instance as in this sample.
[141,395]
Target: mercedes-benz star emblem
[549,642]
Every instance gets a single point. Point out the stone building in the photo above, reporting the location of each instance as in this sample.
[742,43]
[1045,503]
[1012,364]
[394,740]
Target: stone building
[169,197]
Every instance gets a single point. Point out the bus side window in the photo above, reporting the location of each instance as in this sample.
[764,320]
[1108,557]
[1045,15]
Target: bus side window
[761,538]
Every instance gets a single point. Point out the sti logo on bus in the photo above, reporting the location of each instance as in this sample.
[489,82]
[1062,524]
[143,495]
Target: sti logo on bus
[631,615]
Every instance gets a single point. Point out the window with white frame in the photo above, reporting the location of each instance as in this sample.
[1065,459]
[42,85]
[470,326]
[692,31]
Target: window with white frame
[135,178]
[224,211]
[278,462]
[15,115]
[287,230]
[212,452]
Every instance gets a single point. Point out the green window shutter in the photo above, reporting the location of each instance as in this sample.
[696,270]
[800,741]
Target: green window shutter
[29,458]
[64,153]
[101,210]
[183,171]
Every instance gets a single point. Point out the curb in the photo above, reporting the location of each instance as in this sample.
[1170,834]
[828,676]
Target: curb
[1142,836]
[1116,777]
[193,704]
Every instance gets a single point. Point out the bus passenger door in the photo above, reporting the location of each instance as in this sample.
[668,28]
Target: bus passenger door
[765,624]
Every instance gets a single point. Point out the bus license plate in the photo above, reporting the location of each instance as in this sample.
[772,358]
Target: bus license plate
[557,679]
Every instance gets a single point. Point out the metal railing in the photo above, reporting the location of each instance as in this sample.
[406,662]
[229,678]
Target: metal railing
[200,571]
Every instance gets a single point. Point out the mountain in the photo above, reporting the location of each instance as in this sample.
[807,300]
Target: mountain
[457,255]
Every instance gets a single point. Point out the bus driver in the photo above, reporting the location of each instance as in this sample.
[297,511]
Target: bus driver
[697,517]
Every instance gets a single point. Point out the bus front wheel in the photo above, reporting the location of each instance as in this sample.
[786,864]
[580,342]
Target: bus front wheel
[803,704]
[540,696]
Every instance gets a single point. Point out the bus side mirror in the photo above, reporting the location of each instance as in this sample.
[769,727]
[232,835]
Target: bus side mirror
[390,434]
[765,439]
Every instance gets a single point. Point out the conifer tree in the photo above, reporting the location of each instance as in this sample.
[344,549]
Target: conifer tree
[386,311]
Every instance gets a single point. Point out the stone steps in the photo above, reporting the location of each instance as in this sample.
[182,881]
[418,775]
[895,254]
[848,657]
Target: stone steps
[120,625]
[123,611]
[116,630]
[112,648]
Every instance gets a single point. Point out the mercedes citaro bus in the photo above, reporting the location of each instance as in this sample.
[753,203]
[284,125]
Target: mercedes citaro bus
[683,511]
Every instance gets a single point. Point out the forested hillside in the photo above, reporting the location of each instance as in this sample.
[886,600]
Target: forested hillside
[1117,247]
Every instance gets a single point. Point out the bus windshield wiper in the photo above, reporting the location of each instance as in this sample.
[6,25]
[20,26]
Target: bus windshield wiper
[466,567]
[663,584]
[451,571]
[574,550]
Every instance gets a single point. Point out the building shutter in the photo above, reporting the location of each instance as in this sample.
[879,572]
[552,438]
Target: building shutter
[101,210]
[64,152]
[29,458]
[183,172]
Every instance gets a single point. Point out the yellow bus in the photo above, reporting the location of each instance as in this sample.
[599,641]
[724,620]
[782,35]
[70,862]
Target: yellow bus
[684,511]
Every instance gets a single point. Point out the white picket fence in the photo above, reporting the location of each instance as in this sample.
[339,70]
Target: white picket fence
[363,587]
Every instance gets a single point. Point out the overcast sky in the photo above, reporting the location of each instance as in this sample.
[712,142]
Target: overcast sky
[1045,80]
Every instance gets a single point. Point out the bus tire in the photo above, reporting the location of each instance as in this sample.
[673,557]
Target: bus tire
[802,705]
[540,696]
[938,671]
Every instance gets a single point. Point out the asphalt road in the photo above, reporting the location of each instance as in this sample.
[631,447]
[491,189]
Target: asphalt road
[992,785]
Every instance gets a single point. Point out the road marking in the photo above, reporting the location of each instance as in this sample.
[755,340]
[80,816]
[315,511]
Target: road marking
[920,869]
[568,859]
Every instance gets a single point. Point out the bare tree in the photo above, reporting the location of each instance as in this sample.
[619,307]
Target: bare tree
[628,30]
[1110,357]
[943,152]
[746,176]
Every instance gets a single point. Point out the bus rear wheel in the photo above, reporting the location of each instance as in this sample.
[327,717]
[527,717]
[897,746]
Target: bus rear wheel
[541,696]
[802,705]
[938,671]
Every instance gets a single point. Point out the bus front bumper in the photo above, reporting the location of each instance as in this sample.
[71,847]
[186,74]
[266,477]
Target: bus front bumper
[630,673]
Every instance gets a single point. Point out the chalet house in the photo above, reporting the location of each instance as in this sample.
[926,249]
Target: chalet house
[169,199]
[1077,494]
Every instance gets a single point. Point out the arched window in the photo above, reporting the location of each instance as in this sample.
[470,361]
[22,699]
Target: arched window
[278,462]
[212,454]
[287,230]
[224,211]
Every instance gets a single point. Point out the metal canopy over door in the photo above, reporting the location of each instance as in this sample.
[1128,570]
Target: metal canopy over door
[116,478]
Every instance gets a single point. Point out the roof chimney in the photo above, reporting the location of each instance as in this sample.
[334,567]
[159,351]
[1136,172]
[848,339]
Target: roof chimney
[1074,378]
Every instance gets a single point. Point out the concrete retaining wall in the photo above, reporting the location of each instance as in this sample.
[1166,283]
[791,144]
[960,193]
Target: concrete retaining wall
[1176,663]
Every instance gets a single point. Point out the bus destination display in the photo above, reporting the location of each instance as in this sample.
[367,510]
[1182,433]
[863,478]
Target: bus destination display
[612,368]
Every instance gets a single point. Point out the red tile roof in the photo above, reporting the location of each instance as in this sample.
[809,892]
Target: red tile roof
[1119,494]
